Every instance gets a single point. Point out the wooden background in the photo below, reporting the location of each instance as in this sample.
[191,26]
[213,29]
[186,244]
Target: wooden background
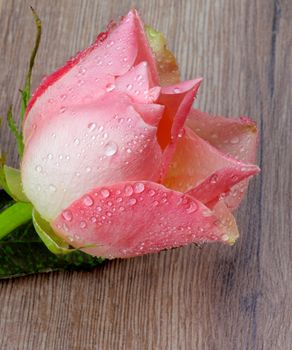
[215,298]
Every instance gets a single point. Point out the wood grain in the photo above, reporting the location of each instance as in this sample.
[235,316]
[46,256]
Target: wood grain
[212,298]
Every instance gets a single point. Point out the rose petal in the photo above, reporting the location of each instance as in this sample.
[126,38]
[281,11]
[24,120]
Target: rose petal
[88,75]
[135,218]
[100,143]
[235,137]
[178,100]
[204,171]
[151,113]
[136,83]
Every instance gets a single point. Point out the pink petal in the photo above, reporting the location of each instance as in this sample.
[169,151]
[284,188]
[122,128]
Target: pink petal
[136,83]
[88,75]
[178,100]
[151,113]
[129,219]
[235,137]
[100,143]
[204,172]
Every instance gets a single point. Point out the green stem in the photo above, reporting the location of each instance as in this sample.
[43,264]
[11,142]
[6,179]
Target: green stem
[14,216]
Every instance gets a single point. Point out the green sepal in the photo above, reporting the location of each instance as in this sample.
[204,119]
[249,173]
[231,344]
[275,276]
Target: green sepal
[14,129]
[53,242]
[25,92]
[13,216]
[14,184]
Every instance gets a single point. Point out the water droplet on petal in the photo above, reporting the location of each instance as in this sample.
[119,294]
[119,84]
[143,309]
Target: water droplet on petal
[67,215]
[139,187]
[151,193]
[52,188]
[62,109]
[110,149]
[132,201]
[214,178]
[105,193]
[176,90]
[83,224]
[192,208]
[76,141]
[129,190]
[38,168]
[91,126]
[93,219]
[88,201]
[110,87]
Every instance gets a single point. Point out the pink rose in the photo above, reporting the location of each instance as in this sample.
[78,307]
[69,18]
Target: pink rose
[118,162]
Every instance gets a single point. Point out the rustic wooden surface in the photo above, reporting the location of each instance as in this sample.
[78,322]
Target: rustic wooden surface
[215,298]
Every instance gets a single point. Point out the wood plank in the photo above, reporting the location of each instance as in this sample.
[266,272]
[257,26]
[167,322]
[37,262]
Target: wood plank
[212,298]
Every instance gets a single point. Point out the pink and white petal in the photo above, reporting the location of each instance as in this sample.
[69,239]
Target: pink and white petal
[136,218]
[88,75]
[204,172]
[144,50]
[178,100]
[233,136]
[151,113]
[96,144]
[136,83]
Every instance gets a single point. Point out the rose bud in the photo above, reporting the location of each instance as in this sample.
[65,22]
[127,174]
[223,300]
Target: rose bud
[118,162]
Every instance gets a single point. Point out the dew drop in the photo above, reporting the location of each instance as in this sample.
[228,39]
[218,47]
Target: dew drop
[91,126]
[93,219]
[139,187]
[38,168]
[214,178]
[139,77]
[176,90]
[129,87]
[52,188]
[88,169]
[110,87]
[192,208]
[155,203]
[83,224]
[67,215]
[105,193]
[225,237]
[110,149]
[129,190]
[76,141]
[132,201]
[88,201]
[151,193]
[50,156]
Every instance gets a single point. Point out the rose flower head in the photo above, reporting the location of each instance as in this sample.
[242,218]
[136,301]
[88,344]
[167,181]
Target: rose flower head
[117,160]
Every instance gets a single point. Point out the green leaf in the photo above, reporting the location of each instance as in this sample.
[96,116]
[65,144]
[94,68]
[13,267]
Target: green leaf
[22,252]
[13,180]
[54,243]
